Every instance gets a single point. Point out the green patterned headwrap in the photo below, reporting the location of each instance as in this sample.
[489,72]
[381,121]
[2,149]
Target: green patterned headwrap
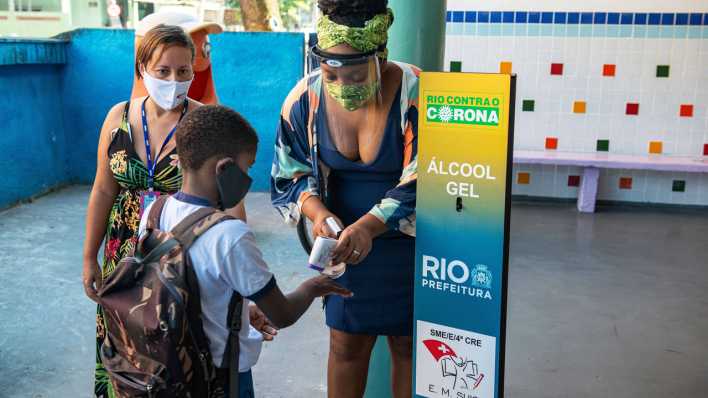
[369,38]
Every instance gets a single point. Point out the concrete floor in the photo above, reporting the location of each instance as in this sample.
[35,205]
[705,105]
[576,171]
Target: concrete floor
[607,305]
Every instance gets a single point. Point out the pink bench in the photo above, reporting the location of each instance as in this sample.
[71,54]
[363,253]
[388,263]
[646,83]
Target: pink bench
[593,162]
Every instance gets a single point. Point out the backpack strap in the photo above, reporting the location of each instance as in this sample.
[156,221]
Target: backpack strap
[153,221]
[196,224]
[186,232]
[233,348]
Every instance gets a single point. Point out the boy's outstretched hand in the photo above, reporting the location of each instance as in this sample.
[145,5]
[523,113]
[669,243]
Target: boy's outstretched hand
[323,286]
[261,323]
[284,310]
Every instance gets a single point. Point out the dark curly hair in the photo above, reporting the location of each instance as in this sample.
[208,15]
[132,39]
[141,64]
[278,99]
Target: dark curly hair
[213,130]
[353,13]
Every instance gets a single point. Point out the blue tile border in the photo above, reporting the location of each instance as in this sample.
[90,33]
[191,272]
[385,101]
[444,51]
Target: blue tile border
[654,18]
[470,16]
[483,16]
[695,19]
[560,18]
[572,18]
[496,17]
[534,17]
[586,18]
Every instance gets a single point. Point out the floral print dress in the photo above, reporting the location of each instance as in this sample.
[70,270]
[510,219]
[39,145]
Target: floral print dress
[124,218]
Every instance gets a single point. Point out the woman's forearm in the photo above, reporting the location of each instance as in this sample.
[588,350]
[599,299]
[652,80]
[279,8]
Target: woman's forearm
[99,206]
[314,209]
[373,225]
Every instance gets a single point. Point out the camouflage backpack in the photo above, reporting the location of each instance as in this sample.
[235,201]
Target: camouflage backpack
[155,344]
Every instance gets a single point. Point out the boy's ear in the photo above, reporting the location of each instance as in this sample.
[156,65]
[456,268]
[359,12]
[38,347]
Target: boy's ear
[222,163]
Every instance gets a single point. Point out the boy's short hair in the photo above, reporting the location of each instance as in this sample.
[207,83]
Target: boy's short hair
[213,130]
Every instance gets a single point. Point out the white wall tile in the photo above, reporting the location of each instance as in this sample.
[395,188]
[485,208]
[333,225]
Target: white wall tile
[606,97]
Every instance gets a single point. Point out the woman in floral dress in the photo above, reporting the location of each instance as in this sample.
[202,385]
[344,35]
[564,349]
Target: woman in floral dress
[137,161]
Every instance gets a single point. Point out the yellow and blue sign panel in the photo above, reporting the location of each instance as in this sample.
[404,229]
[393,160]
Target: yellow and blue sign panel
[462,222]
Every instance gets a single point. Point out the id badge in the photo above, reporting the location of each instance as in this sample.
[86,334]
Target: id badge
[146,199]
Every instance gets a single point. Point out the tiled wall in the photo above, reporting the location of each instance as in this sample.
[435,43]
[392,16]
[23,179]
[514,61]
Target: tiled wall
[595,81]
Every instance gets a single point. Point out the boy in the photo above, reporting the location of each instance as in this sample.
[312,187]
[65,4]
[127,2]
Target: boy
[225,258]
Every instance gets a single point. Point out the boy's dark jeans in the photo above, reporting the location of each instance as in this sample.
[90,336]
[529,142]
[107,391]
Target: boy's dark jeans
[245,383]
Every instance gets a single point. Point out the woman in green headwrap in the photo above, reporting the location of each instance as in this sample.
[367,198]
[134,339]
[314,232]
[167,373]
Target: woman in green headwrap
[347,149]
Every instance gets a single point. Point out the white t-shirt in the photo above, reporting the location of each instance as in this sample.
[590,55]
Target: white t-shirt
[225,259]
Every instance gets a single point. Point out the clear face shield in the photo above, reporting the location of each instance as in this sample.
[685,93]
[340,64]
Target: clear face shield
[353,81]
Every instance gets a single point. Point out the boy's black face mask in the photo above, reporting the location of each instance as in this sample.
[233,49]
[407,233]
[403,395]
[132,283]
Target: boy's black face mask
[233,185]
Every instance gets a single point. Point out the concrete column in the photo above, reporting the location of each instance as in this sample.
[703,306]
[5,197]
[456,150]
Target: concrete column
[418,33]
[416,37]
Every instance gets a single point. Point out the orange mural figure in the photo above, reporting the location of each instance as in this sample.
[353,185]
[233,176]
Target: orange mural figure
[202,88]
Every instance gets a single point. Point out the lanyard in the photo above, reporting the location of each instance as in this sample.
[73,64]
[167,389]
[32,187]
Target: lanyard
[152,164]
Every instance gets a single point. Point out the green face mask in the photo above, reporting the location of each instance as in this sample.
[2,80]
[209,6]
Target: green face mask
[352,96]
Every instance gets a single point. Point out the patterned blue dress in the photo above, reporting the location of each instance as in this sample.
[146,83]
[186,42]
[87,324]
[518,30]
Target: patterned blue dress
[383,282]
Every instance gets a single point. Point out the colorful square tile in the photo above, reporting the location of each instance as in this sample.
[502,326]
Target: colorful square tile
[579,107]
[608,70]
[523,178]
[551,143]
[679,186]
[528,105]
[505,67]
[662,71]
[625,183]
[573,181]
[656,147]
[603,145]
[557,69]
[455,66]
[686,110]
[632,108]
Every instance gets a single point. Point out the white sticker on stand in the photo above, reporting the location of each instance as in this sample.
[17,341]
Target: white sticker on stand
[452,362]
